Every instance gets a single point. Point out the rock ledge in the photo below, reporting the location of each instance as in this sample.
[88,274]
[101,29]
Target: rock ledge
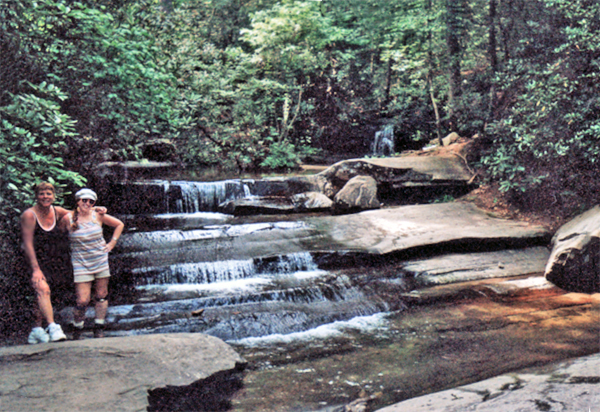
[110,374]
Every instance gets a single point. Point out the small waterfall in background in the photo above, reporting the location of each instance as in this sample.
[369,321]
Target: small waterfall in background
[383,144]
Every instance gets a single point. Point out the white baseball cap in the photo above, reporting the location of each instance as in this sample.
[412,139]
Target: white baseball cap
[86,194]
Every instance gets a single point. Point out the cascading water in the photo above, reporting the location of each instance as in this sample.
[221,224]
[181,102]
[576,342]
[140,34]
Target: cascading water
[204,196]
[383,143]
[221,270]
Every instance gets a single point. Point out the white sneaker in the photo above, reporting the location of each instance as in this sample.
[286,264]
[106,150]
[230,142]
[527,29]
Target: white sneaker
[38,335]
[56,333]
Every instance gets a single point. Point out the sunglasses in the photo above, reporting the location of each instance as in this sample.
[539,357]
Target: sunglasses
[90,201]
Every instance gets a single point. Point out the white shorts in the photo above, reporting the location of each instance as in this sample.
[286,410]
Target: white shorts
[86,277]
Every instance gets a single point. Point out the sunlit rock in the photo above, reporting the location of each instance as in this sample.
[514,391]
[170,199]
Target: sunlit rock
[574,263]
[311,201]
[110,374]
[360,193]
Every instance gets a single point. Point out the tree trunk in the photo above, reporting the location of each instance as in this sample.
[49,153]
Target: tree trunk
[438,123]
[492,36]
[454,56]
[492,56]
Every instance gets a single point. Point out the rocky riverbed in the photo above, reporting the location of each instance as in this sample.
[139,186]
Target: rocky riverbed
[449,336]
[434,297]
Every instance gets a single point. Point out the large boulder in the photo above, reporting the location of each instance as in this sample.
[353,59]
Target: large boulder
[574,263]
[110,374]
[404,171]
[360,193]
[312,202]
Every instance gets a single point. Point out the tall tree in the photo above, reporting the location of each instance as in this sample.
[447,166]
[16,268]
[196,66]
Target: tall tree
[454,28]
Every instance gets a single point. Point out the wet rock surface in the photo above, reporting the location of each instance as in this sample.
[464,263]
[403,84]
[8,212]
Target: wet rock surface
[332,313]
[395,179]
[454,335]
[571,385]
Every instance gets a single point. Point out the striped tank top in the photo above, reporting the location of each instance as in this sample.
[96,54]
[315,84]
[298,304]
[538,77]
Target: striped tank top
[88,248]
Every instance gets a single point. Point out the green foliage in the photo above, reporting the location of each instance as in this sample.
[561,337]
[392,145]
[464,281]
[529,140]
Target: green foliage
[549,136]
[258,84]
[282,156]
[32,135]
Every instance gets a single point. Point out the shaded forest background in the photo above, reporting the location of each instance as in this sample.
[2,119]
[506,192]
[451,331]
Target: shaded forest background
[261,85]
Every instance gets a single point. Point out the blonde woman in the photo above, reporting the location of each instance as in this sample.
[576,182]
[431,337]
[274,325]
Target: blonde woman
[48,260]
[89,255]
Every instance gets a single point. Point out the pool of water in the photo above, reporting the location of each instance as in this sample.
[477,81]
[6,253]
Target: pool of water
[399,355]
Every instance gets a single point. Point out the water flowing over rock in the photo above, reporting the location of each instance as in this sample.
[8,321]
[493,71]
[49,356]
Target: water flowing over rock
[383,143]
[397,178]
[255,262]
[262,278]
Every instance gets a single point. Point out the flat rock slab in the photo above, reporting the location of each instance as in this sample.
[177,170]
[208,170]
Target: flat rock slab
[377,232]
[404,170]
[110,374]
[407,227]
[572,385]
[462,267]
[441,167]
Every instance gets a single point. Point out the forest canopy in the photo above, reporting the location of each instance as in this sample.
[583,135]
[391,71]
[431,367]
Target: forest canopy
[265,85]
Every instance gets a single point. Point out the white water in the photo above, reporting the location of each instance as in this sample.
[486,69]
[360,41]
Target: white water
[206,196]
[383,144]
[229,270]
[370,323]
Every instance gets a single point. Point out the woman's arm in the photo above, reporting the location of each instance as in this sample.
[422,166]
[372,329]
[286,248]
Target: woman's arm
[65,222]
[27,229]
[61,211]
[118,225]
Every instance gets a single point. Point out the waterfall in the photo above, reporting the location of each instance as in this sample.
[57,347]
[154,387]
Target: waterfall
[186,260]
[204,196]
[383,144]
[224,271]
[197,273]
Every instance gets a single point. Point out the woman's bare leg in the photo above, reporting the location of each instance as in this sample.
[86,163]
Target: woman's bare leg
[83,292]
[101,289]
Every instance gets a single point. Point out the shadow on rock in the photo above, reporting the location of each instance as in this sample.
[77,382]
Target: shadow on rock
[212,394]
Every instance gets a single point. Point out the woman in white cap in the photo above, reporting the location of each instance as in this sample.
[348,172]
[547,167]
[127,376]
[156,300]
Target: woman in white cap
[89,254]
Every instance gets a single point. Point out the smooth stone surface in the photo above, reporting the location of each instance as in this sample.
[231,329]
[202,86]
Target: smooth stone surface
[455,335]
[462,267]
[574,263]
[402,170]
[406,227]
[374,232]
[573,385]
[109,374]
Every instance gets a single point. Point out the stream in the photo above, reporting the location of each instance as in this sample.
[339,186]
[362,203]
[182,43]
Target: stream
[318,330]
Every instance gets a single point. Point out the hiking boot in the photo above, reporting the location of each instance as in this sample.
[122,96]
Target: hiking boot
[99,330]
[38,335]
[76,331]
[56,333]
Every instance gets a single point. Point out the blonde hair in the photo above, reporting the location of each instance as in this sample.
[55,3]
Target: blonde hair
[43,186]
